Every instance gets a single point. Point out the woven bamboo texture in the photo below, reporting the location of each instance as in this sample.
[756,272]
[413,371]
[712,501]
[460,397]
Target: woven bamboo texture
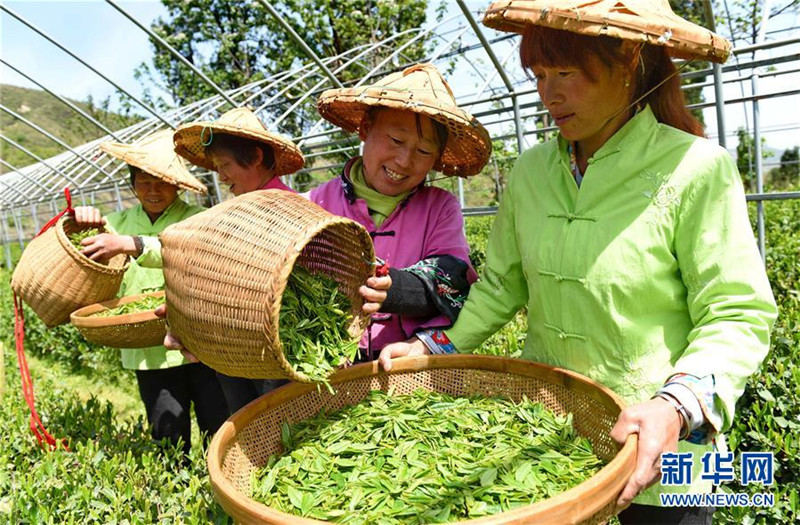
[245,442]
[133,330]
[650,21]
[54,279]
[226,269]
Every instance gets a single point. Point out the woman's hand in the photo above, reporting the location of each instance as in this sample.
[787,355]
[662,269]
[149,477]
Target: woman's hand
[374,293]
[89,216]
[659,426]
[171,341]
[409,347]
[106,245]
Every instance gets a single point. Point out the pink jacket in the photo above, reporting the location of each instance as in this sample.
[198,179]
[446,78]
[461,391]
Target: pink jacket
[428,222]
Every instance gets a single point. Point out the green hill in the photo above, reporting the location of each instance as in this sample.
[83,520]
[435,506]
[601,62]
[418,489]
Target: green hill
[52,115]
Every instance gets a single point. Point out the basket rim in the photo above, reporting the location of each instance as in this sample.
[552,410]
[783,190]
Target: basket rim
[82,259]
[611,478]
[81,318]
[283,278]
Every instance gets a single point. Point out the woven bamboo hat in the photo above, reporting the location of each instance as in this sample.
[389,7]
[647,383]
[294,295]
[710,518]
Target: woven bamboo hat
[421,89]
[649,21]
[192,138]
[155,156]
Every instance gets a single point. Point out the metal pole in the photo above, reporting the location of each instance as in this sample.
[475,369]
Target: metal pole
[215,180]
[76,57]
[174,53]
[308,51]
[719,98]
[18,226]
[35,218]
[6,240]
[757,139]
[57,141]
[461,192]
[118,196]
[64,101]
[36,158]
[509,86]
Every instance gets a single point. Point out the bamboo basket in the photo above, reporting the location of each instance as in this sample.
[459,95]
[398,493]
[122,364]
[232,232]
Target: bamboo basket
[133,330]
[247,439]
[55,280]
[226,269]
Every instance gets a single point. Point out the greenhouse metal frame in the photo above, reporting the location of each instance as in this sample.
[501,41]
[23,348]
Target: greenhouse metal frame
[501,96]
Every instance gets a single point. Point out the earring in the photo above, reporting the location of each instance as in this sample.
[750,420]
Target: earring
[627,82]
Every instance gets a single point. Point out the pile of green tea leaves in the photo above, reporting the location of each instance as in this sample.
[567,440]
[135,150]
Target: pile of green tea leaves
[427,457]
[76,237]
[140,305]
[313,325]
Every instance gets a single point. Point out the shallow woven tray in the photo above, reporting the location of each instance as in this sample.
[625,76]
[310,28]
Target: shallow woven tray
[55,280]
[225,271]
[134,330]
[246,440]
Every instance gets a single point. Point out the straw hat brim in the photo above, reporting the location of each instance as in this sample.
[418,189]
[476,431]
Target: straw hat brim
[657,26]
[468,144]
[175,173]
[191,139]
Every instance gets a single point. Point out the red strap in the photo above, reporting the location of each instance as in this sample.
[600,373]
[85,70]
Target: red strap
[37,427]
[69,209]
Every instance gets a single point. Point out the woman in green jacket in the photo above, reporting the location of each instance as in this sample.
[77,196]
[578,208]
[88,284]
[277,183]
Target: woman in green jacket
[626,237]
[168,383]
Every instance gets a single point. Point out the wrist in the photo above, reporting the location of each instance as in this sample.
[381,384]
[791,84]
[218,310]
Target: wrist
[134,246]
[682,418]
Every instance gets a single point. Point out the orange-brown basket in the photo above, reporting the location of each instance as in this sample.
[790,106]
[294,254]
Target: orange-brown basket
[226,269]
[54,279]
[245,442]
[134,330]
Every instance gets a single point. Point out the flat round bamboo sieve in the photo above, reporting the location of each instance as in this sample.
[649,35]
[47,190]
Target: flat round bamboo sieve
[133,330]
[245,441]
[55,280]
[226,269]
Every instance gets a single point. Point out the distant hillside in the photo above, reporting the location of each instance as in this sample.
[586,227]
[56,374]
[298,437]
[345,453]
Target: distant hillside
[52,115]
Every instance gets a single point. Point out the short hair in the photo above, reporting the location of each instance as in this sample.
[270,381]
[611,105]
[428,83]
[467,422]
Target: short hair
[243,150]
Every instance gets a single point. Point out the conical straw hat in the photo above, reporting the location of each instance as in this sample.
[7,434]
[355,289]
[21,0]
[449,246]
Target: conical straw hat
[155,156]
[421,89]
[192,138]
[649,21]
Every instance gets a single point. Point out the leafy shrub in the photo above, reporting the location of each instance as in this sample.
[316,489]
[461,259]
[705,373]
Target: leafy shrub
[115,472]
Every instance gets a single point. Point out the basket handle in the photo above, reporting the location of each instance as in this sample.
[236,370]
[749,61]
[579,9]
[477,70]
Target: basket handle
[69,209]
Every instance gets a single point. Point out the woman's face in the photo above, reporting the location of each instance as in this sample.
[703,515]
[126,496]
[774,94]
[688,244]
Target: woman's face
[155,194]
[585,105]
[396,158]
[240,179]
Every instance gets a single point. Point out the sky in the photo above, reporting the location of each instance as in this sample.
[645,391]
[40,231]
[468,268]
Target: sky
[108,41]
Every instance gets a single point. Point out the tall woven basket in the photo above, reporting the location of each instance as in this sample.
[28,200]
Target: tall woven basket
[226,269]
[55,280]
[245,442]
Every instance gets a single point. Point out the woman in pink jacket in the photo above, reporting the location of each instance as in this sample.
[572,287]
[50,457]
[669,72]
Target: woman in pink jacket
[410,124]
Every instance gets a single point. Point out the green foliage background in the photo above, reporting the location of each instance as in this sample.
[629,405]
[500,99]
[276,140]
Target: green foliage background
[51,114]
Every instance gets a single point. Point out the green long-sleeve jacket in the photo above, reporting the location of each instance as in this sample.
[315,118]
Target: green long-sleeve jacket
[647,270]
[138,279]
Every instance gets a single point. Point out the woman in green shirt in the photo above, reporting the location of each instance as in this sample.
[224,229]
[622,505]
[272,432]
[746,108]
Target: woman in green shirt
[168,383]
[626,237]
